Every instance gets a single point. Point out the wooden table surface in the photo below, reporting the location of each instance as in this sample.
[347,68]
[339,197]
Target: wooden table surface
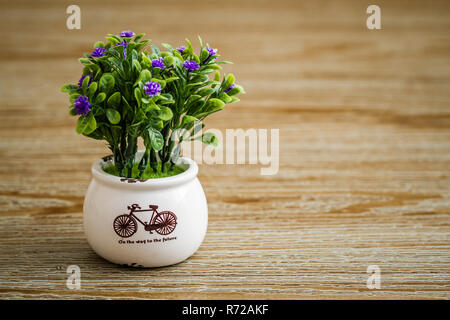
[364,119]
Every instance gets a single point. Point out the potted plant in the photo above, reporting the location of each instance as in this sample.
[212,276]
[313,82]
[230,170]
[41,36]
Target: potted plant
[147,208]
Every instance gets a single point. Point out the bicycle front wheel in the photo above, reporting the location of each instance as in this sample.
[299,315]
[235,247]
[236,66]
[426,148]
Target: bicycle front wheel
[125,226]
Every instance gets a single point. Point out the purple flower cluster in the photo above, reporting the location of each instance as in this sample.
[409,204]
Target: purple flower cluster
[229,88]
[127,34]
[98,52]
[191,65]
[152,88]
[181,49]
[158,63]
[82,105]
[211,52]
[80,82]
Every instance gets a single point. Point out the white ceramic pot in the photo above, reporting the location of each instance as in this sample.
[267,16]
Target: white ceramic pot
[145,223]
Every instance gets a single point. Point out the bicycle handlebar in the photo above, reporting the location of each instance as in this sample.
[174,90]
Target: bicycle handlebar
[134,207]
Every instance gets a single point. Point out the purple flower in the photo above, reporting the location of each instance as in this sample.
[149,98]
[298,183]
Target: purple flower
[211,52]
[181,49]
[98,52]
[82,105]
[191,65]
[158,63]
[231,87]
[124,44]
[152,88]
[127,34]
[80,82]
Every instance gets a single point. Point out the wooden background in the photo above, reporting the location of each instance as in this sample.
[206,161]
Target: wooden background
[364,119]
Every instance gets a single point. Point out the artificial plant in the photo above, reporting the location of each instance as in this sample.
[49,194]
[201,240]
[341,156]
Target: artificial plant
[125,93]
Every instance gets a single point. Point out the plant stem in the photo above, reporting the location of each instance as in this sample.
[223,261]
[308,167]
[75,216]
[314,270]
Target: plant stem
[153,161]
[123,147]
[163,152]
[143,164]
[130,154]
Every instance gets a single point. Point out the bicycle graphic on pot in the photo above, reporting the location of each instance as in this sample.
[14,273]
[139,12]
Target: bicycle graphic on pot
[163,222]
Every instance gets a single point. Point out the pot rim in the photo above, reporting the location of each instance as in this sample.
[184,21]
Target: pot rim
[190,173]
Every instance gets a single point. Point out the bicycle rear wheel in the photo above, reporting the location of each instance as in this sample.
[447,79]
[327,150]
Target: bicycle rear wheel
[166,221]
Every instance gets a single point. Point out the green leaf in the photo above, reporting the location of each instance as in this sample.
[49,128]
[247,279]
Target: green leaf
[167,46]
[200,78]
[92,89]
[193,98]
[189,49]
[69,88]
[137,65]
[155,50]
[86,124]
[214,104]
[114,100]
[166,96]
[165,114]
[146,62]
[138,95]
[195,58]
[187,120]
[99,44]
[141,45]
[235,99]
[159,125]
[85,83]
[224,97]
[100,98]
[210,138]
[195,84]
[205,92]
[113,40]
[113,116]
[85,61]
[152,107]
[107,82]
[217,76]
[236,90]
[169,60]
[213,67]
[171,79]
[144,76]
[204,55]
[178,55]
[138,37]
[229,81]
[156,139]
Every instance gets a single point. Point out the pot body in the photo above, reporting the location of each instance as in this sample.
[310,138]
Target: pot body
[151,223]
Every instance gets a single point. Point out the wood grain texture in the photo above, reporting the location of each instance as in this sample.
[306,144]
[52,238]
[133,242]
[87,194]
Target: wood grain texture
[364,119]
